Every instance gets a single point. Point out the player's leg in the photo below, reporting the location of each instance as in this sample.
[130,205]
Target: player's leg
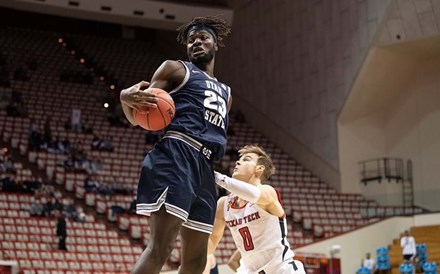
[194,251]
[164,229]
[196,230]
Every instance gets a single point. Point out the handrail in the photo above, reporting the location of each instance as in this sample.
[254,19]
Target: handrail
[385,168]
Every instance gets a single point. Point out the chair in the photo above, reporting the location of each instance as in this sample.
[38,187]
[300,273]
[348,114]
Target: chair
[382,251]
[421,254]
[406,268]
[383,258]
[429,268]
[363,270]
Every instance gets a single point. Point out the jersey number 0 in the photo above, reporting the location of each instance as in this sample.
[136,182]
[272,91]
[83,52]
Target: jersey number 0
[247,238]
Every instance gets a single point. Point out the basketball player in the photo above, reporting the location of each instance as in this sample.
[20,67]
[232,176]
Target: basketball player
[177,185]
[255,217]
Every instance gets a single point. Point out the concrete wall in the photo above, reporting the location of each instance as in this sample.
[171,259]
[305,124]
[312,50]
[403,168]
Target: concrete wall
[395,116]
[295,62]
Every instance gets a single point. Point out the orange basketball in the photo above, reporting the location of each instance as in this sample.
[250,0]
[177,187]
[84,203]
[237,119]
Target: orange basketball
[155,119]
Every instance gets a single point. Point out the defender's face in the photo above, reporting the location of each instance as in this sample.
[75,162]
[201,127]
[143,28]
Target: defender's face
[200,47]
[245,167]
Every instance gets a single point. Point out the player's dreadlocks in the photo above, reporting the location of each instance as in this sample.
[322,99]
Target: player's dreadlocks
[216,23]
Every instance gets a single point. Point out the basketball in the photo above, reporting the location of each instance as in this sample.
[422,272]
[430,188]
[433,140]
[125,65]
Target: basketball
[155,119]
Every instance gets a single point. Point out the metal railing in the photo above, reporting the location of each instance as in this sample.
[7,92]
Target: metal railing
[382,169]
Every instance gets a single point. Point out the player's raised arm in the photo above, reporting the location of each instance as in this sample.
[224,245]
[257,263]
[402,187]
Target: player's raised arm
[168,76]
[260,194]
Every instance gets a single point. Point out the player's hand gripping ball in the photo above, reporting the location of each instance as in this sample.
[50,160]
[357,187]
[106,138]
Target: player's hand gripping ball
[155,119]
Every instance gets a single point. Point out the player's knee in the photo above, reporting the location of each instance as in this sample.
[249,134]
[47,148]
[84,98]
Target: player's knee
[160,252]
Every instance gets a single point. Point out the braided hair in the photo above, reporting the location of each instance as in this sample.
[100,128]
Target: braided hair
[216,23]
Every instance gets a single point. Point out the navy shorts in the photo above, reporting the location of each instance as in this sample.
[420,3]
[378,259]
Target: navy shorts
[177,175]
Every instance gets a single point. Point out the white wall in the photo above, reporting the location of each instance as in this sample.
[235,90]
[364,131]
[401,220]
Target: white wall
[360,140]
[394,111]
[413,132]
[295,62]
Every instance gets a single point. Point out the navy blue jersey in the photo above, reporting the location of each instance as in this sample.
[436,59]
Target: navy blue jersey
[202,109]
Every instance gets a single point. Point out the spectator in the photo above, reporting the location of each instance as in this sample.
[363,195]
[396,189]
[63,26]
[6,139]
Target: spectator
[47,132]
[96,142]
[70,210]
[86,128]
[91,185]
[8,165]
[75,119]
[36,209]
[48,207]
[81,216]
[34,135]
[58,205]
[106,144]
[408,244]
[8,184]
[369,263]
[32,185]
[61,230]
[66,145]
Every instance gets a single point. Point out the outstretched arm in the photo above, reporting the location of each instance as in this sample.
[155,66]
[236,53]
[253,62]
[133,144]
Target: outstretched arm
[263,195]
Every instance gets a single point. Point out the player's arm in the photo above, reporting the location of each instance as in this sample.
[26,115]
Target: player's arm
[263,195]
[234,260]
[217,233]
[168,76]
[219,226]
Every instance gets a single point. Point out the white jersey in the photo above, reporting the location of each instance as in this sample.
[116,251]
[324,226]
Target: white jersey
[260,237]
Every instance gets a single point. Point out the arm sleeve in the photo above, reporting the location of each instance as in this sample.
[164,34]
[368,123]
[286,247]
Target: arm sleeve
[243,190]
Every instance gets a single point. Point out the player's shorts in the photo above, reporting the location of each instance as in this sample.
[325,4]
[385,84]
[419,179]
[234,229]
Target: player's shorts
[176,174]
[287,267]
